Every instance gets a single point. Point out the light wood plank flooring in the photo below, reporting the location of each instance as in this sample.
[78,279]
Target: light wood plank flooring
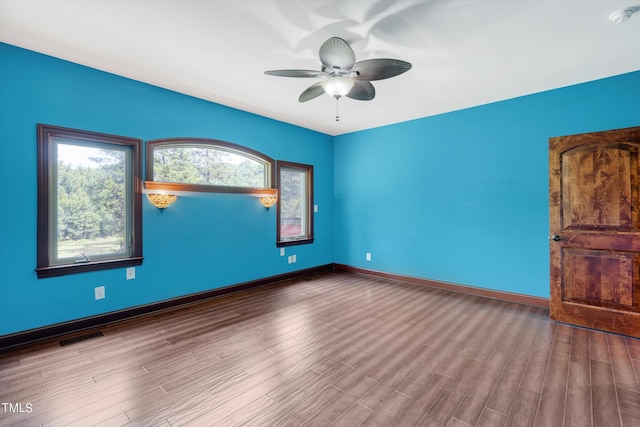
[337,349]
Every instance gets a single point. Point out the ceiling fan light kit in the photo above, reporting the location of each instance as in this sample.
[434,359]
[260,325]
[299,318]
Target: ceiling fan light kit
[337,86]
[342,75]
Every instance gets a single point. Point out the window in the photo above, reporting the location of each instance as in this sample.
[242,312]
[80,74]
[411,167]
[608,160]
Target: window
[295,213]
[192,164]
[89,201]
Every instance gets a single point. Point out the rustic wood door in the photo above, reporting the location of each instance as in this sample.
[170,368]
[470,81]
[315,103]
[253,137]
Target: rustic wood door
[595,230]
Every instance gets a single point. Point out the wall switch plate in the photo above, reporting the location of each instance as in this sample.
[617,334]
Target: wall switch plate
[281,251]
[368,256]
[99,292]
[294,258]
[290,259]
[315,208]
[131,273]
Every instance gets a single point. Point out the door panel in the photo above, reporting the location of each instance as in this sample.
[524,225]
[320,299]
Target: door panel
[602,197]
[600,278]
[595,249]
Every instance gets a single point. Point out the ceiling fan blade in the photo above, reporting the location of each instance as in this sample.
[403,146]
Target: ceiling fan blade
[313,91]
[337,55]
[295,73]
[362,91]
[378,69]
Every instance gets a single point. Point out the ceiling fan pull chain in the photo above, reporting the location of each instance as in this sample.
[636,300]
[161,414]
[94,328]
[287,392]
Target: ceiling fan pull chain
[337,111]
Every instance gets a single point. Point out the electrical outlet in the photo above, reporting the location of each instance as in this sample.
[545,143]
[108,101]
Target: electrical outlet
[315,208]
[281,251]
[131,273]
[99,292]
[368,256]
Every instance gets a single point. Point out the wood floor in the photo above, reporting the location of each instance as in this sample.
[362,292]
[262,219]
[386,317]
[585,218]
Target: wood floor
[337,349]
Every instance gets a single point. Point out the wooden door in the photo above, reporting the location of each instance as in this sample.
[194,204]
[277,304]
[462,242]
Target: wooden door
[595,230]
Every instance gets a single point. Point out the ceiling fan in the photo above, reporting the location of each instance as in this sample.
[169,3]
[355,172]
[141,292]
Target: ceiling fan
[342,76]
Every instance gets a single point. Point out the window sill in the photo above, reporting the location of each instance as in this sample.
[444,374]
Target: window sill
[293,242]
[62,270]
[201,188]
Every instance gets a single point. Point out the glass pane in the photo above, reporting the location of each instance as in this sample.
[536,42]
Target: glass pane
[91,203]
[293,203]
[207,166]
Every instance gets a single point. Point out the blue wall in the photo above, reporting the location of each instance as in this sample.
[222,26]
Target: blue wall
[204,241]
[463,197]
[459,197]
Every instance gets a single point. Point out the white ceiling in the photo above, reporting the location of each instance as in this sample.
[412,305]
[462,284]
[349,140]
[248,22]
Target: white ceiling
[464,52]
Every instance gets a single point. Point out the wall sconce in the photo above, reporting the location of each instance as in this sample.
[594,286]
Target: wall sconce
[162,201]
[268,201]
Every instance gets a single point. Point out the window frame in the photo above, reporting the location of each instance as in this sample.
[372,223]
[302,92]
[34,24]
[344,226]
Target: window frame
[308,169]
[46,169]
[150,184]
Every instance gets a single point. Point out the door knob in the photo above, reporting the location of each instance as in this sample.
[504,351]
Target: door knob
[556,238]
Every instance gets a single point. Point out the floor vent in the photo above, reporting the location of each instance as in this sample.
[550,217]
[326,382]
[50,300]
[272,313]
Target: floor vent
[80,338]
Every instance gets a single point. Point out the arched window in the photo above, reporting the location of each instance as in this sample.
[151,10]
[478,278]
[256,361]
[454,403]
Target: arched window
[194,164]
